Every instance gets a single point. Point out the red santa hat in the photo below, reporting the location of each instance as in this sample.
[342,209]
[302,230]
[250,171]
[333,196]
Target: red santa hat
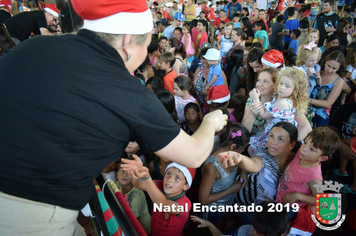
[273,58]
[218,94]
[52,9]
[115,17]
[189,173]
[6,3]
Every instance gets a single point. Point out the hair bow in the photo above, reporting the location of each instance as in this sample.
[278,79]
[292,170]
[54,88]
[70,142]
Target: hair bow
[236,134]
[310,46]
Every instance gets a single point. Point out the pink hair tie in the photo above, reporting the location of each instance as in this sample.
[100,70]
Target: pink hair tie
[310,46]
[236,134]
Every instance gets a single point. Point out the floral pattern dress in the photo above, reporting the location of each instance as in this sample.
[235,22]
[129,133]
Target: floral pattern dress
[260,142]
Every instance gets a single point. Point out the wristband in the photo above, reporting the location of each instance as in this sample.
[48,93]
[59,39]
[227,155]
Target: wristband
[149,176]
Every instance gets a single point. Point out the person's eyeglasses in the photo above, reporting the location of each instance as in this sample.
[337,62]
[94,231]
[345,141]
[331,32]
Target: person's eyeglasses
[55,20]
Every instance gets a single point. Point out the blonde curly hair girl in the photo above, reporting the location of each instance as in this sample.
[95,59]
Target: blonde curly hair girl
[300,92]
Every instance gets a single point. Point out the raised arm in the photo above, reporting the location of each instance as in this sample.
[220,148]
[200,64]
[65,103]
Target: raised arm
[230,158]
[196,147]
[155,194]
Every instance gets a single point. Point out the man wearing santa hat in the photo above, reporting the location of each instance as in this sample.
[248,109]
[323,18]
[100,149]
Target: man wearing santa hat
[25,24]
[5,10]
[72,108]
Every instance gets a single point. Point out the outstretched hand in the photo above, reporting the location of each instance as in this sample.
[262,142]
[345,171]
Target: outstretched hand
[132,165]
[203,223]
[219,118]
[230,158]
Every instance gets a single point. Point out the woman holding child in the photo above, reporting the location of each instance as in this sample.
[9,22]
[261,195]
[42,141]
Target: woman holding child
[266,167]
[84,110]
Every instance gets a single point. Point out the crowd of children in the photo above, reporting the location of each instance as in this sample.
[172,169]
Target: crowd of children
[251,63]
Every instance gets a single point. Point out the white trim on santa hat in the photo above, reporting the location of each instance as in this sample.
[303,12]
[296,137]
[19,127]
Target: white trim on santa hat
[185,171]
[270,64]
[122,23]
[50,11]
[220,100]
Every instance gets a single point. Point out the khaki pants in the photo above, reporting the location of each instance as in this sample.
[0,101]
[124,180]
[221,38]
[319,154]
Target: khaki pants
[19,216]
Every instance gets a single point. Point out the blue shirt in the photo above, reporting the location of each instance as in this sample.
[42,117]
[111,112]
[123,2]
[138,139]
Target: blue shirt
[291,24]
[233,9]
[215,70]
[294,44]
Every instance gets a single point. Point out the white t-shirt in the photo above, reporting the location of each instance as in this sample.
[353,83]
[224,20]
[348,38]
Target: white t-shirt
[352,70]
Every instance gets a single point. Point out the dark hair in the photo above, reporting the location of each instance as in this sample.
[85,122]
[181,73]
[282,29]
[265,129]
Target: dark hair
[257,45]
[162,38]
[185,82]
[203,51]
[178,47]
[290,11]
[325,139]
[238,102]
[270,223]
[290,129]
[254,55]
[341,23]
[179,29]
[237,14]
[167,99]
[296,32]
[291,59]
[280,18]
[235,61]
[304,8]
[186,25]
[262,10]
[331,2]
[247,23]
[155,83]
[138,72]
[350,56]
[203,22]
[153,45]
[226,138]
[261,24]
[246,10]
[193,23]
[276,13]
[192,105]
[338,57]
[195,107]
[6,41]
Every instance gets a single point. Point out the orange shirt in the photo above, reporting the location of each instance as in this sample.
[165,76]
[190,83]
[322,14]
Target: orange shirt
[168,81]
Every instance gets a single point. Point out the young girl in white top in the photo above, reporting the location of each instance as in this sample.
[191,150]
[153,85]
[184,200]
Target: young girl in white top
[308,61]
[290,99]
[185,92]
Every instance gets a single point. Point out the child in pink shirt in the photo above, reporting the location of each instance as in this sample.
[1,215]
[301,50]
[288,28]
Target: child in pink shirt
[297,182]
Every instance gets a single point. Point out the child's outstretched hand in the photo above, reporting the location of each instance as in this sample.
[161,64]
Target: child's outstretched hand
[230,158]
[140,174]
[203,223]
[255,95]
[131,165]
